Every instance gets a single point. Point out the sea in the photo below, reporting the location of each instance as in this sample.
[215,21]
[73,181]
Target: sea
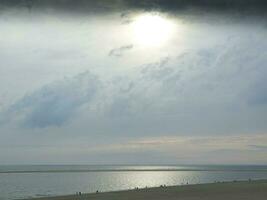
[27,181]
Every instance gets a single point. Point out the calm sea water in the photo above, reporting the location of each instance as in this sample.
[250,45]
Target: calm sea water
[34,181]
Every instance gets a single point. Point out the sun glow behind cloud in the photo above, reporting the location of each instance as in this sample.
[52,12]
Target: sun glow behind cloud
[152,29]
[99,79]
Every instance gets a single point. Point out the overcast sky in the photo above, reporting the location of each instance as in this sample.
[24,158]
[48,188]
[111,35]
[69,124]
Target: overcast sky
[87,85]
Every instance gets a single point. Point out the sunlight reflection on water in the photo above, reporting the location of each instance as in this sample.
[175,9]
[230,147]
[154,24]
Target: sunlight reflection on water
[42,184]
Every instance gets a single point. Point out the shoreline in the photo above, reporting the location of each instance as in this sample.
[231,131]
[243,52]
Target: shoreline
[243,190]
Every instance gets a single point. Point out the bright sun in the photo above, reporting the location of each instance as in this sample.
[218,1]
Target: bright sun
[152,30]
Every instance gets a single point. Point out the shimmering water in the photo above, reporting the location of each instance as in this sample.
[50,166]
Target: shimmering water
[34,181]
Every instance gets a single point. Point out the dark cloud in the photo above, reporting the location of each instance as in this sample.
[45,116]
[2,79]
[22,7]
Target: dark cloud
[118,52]
[169,5]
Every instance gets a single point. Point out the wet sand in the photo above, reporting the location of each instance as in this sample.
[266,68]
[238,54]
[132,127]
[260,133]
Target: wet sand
[241,190]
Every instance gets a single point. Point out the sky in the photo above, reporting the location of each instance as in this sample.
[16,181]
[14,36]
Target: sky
[133,82]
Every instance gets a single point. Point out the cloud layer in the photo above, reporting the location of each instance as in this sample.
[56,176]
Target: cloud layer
[79,88]
[220,82]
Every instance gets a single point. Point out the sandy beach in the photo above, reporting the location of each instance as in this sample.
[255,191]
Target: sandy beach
[241,190]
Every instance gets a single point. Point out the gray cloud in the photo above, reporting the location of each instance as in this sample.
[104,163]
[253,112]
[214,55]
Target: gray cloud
[56,103]
[126,17]
[118,52]
[214,81]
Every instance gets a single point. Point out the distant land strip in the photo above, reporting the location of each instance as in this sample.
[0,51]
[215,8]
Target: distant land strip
[129,170]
